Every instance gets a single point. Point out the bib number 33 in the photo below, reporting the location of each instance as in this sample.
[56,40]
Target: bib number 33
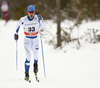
[31,29]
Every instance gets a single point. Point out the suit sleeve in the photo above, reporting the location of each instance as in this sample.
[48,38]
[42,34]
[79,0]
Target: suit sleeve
[42,23]
[20,22]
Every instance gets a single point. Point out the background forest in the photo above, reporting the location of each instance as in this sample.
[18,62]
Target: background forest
[69,8]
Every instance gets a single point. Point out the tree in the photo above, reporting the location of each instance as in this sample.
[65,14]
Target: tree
[98,6]
[89,8]
[58,23]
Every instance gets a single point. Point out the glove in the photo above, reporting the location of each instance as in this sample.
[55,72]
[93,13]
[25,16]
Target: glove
[16,36]
[39,17]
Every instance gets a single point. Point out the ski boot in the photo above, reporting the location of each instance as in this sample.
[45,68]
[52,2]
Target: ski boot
[35,71]
[26,76]
[35,68]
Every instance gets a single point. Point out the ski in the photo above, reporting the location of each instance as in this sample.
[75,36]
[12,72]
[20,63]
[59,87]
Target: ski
[36,77]
[28,81]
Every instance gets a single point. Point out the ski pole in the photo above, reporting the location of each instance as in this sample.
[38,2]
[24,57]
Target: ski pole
[43,58]
[16,56]
[42,52]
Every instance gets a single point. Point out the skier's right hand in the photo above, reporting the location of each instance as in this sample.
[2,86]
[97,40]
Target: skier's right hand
[16,36]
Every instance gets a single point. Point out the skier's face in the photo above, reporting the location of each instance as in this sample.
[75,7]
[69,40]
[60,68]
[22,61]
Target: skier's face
[31,14]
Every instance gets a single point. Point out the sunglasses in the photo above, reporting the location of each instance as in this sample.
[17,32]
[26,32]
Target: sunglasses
[31,12]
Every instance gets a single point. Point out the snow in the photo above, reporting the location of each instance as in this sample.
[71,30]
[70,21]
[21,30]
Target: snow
[65,68]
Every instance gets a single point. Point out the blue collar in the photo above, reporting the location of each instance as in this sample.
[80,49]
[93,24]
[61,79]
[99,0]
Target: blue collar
[30,18]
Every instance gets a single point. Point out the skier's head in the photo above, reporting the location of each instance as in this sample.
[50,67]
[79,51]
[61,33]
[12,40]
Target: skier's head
[31,8]
[31,11]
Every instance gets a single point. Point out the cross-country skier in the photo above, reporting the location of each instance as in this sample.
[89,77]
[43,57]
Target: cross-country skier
[31,25]
[5,10]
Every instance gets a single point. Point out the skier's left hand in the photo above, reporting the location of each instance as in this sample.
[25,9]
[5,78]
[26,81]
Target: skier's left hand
[39,17]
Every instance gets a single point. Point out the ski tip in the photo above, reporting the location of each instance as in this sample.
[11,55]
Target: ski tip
[37,80]
[29,81]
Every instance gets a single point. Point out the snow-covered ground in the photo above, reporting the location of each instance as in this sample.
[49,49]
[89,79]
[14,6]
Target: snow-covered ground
[65,68]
